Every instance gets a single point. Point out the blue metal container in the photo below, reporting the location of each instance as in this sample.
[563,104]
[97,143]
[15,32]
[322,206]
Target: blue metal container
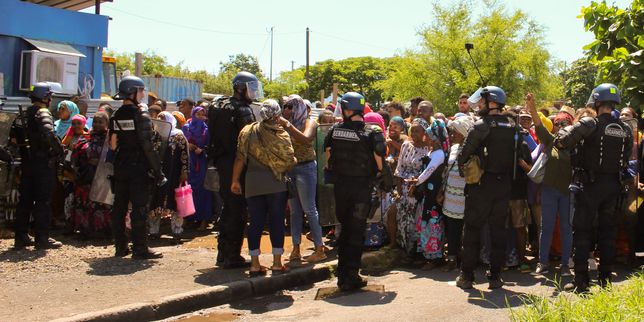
[173,89]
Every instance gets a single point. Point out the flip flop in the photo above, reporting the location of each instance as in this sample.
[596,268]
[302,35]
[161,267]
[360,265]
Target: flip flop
[261,272]
[280,270]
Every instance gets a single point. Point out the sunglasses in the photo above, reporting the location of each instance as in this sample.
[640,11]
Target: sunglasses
[288,107]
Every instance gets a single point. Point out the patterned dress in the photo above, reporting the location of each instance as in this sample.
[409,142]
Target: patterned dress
[430,225]
[90,218]
[175,162]
[410,165]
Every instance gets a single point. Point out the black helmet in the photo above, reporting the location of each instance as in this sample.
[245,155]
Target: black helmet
[605,93]
[42,90]
[244,77]
[494,94]
[352,101]
[129,85]
[250,82]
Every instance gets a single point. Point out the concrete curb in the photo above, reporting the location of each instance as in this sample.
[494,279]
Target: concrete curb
[182,303]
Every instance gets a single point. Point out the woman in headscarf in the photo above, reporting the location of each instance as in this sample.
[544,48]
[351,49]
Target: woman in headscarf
[181,119]
[396,136]
[430,224]
[196,132]
[410,166]
[303,132]
[376,119]
[66,111]
[90,218]
[175,167]
[266,150]
[452,196]
[75,134]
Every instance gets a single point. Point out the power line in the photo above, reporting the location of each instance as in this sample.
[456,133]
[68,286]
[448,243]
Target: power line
[351,41]
[225,32]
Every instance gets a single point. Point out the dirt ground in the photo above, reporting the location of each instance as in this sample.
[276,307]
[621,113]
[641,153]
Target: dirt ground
[83,276]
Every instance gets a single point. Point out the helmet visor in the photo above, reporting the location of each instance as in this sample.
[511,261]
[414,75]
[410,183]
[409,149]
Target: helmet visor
[255,91]
[474,99]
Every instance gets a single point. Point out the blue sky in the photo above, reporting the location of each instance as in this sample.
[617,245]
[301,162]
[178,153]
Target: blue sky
[201,33]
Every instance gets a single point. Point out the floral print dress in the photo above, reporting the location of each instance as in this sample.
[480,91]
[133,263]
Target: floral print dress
[410,165]
[430,223]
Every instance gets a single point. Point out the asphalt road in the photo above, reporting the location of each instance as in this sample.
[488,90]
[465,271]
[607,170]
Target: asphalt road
[408,295]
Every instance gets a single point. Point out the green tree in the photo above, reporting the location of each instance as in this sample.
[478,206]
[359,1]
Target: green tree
[579,81]
[241,62]
[618,46]
[509,49]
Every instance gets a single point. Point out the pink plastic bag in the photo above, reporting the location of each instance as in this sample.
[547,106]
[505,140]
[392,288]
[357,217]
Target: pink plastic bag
[183,196]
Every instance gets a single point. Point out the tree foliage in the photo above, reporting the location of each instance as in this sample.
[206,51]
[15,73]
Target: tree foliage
[618,46]
[579,80]
[157,65]
[508,47]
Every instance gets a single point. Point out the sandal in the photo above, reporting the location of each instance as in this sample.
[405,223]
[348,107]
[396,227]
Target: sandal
[316,257]
[280,270]
[295,257]
[261,272]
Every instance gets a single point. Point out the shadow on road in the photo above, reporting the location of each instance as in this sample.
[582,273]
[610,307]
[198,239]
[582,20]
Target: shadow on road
[494,299]
[260,305]
[112,266]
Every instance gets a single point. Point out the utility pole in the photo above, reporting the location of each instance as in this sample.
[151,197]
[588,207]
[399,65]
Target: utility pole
[292,65]
[270,78]
[308,90]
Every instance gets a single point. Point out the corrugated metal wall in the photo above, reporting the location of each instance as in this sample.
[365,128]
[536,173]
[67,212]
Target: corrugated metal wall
[173,89]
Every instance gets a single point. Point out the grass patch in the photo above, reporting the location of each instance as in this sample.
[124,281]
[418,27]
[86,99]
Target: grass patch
[623,302]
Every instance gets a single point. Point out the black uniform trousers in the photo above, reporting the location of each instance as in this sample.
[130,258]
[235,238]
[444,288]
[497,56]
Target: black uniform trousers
[233,217]
[486,202]
[352,205]
[599,199]
[131,185]
[36,187]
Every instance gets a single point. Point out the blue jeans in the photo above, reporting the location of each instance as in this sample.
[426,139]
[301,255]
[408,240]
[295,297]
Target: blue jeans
[259,207]
[306,179]
[553,202]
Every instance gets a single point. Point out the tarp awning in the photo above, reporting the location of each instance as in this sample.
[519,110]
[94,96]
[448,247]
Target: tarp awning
[54,47]
[67,4]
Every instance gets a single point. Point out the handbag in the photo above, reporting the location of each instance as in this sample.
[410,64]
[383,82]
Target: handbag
[538,171]
[183,197]
[472,170]
[211,181]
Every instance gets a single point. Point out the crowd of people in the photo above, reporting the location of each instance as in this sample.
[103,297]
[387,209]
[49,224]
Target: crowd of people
[269,169]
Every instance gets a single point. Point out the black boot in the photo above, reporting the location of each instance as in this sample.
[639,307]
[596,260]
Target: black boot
[604,279]
[352,281]
[48,243]
[21,243]
[140,248]
[464,281]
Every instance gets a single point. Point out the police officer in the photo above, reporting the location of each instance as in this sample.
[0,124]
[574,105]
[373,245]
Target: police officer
[40,149]
[354,154]
[136,168]
[494,140]
[228,118]
[604,154]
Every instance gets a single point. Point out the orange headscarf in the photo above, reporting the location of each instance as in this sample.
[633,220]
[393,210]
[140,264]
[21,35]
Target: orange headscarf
[181,119]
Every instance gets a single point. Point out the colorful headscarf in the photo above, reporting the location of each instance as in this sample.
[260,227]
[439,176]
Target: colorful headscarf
[181,119]
[375,118]
[438,133]
[166,116]
[70,132]
[564,116]
[399,121]
[270,109]
[62,126]
[462,125]
[419,121]
[197,126]
[300,112]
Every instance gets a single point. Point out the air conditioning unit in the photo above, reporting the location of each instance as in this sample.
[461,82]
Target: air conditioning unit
[38,66]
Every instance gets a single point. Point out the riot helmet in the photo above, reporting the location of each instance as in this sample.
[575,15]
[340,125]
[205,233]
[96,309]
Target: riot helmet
[605,94]
[352,101]
[130,85]
[490,94]
[42,91]
[248,86]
